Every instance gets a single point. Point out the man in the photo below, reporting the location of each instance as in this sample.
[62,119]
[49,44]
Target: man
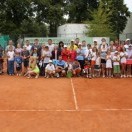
[10,45]
[60,67]
[50,45]
[127,42]
[77,41]
[65,53]
[37,46]
[28,46]
[72,45]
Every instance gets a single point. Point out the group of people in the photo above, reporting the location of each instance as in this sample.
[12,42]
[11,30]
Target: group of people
[72,60]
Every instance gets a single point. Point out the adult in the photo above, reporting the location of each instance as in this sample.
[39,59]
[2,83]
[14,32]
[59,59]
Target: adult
[50,45]
[33,69]
[60,67]
[28,46]
[80,55]
[65,53]
[72,45]
[10,45]
[56,53]
[37,46]
[127,42]
[60,46]
[77,41]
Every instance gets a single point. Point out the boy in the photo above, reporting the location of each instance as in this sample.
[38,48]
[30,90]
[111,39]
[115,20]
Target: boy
[50,70]
[18,64]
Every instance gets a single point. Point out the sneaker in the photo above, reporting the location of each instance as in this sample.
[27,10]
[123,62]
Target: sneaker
[57,75]
[122,76]
[103,76]
[47,76]
[87,76]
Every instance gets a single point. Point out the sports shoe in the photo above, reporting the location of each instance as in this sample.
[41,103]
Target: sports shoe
[57,75]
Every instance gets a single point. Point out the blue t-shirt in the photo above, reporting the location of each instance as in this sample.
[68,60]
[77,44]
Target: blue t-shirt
[18,59]
[61,63]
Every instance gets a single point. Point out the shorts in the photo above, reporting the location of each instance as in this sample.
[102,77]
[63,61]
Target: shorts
[26,63]
[117,69]
[92,62]
[96,67]
[103,61]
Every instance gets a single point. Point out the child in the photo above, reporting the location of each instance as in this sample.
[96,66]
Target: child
[18,64]
[50,70]
[76,68]
[109,64]
[69,69]
[87,69]
[97,69]
[93,60]
[116,64]
[25,57]
[10,56]
[123,56]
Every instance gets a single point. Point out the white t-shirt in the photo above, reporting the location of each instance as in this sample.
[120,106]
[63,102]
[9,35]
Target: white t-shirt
[93,56]
[11,55]
[50,67]
[51,47]
[47,55]
[123,56]
[97,62]
[28,47]
[116,58]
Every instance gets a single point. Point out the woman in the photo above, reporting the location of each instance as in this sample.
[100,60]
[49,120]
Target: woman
[33,68]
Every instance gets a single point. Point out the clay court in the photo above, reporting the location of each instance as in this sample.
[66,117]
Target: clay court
[65,105]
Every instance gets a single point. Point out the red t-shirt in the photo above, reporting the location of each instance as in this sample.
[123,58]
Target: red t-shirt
[65,54]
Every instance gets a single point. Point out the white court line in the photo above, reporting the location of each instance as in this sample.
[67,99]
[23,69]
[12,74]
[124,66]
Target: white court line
[87,110]
[74,95]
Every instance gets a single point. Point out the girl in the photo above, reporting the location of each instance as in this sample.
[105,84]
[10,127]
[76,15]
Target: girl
[33,68]
[93,60]
[10,56]
[123,60]
[87,69]
[103,53]
[18,64]
[97,69]
[109,64]
[116,64]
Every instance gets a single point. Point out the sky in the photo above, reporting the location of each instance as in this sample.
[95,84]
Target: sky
[129,4]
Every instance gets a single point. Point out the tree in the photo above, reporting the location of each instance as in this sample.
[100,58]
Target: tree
[99,26]
[118,14]
[110,19]
[80,10]
[50,12]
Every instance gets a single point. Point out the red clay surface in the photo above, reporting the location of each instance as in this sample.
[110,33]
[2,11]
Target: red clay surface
[49,105]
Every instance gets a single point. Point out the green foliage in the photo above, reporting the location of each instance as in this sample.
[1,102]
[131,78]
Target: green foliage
[109,19]
[80,10]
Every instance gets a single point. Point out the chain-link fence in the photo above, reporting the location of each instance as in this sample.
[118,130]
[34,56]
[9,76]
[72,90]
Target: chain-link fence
[126,36]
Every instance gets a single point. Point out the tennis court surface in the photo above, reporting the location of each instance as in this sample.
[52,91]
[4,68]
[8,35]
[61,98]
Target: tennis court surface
[65,105]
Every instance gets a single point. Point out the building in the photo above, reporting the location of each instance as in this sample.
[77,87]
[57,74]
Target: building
[72,30]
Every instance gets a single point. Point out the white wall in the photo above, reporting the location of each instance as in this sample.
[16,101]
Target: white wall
[72,30]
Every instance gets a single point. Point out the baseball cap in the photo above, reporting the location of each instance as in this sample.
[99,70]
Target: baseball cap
[127,39]
[72,40]
[50,61]
[65,46]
